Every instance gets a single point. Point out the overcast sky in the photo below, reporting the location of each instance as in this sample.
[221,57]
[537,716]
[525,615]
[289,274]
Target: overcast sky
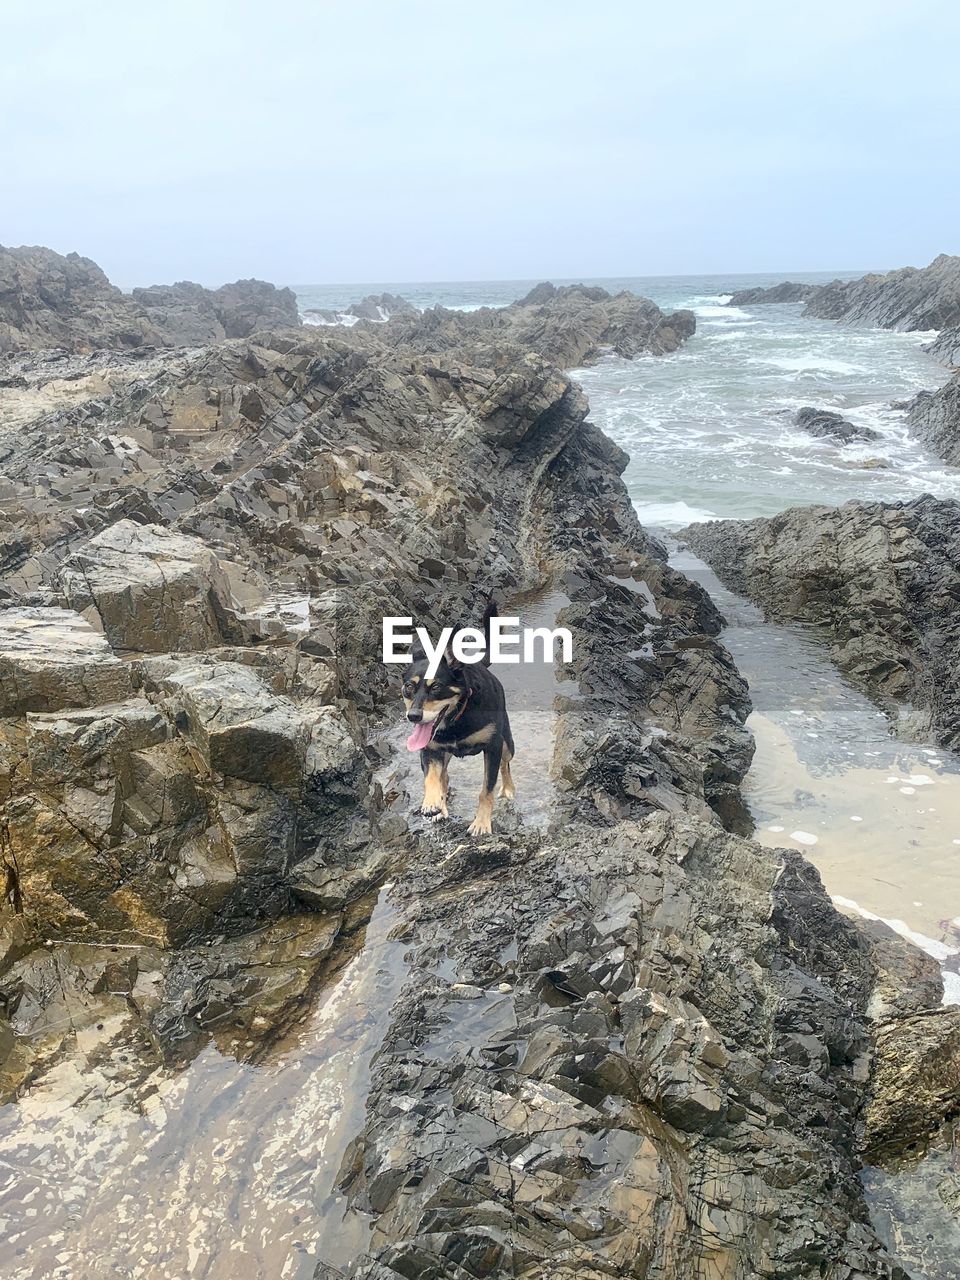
[389,140]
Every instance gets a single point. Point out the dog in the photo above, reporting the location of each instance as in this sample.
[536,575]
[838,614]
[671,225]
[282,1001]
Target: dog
[461,711]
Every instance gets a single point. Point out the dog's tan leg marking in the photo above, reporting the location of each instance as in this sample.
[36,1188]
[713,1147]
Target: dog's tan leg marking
[434,795]
[481,823]
[507,789]
[445,778]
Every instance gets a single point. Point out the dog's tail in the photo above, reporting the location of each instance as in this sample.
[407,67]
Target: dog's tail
[489,613]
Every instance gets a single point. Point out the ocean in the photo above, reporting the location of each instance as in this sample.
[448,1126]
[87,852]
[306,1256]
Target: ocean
[709,429]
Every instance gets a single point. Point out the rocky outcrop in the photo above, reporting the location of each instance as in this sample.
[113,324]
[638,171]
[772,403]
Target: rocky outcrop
[377,307]
[47,300]
[571,325]
[51,301]
[911,298]
[882,583]
[187,314]
[935,417]
[788,291]
[826,425]
[946,347]
[614,1038]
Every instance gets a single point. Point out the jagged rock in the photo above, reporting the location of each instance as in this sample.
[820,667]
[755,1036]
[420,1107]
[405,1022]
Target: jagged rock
[910,298]
[824,424]
[916,1082]
[150,589]
[881,581]
[47,300]
[571,325]
[52,658]
[376,307]
[946,347]
[935,416]
[649,1061]
[240,728]
[620,1039]
[788,291]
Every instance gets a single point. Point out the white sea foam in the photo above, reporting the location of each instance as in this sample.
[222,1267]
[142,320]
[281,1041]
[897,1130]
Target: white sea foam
[672,515]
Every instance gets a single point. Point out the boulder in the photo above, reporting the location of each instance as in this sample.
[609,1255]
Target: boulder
[824,424]
[150,589]
[53,658]
[239,726]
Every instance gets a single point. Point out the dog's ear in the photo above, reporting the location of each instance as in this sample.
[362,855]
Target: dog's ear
[453,662]
[417,652]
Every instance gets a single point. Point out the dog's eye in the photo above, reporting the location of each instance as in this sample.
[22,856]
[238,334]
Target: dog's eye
[409,689]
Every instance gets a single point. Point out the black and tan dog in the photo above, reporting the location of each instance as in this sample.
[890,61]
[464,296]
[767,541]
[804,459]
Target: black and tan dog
[461,711]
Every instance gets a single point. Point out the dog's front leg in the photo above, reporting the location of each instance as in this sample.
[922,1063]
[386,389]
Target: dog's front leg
[434,789]
[491,767]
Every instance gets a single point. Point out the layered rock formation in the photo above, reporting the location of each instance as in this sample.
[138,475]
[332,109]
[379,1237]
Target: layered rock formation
[882,581]
[618,1041]
[910,298]
[935,416]
[788,291]
[946,347]
[47,300]
[571,325]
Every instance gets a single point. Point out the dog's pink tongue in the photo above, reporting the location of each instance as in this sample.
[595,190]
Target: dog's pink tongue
[420,736]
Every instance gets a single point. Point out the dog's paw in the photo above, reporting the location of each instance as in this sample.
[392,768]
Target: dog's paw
[479,828]
[432,813]
[508,793]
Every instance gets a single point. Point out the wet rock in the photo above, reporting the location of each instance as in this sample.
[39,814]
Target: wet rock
[880,580]
[628,1114]
[916,1082]
[825,424]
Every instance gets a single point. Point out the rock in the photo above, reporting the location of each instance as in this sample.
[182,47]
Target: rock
[788,291]
[881,581]
[150,589]
[52,658]
[613,1038]
[910,298]
[935,417]
[47,300]
[825,424]
[916,1082]
[650,1061]
[570,325]
[946,347]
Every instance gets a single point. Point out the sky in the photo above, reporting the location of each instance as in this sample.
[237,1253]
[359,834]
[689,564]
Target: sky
[312,141]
